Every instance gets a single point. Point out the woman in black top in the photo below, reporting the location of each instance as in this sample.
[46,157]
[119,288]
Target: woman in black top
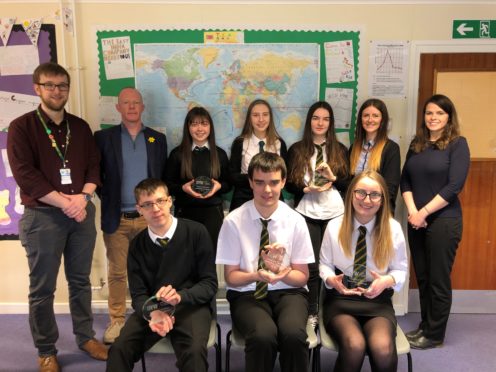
[259,134]
[373,149]
[434,173]
[197,156]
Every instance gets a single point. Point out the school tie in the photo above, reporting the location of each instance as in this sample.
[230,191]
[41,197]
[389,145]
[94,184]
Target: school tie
[261,145]
[163,242]
[360,262]
[367,150]
[318,179]
[200,149]
[261,287]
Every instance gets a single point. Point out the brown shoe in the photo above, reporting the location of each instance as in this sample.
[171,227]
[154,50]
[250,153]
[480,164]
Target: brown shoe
[95,349]
[48,363]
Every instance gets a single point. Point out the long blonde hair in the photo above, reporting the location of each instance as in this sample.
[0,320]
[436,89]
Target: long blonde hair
[382,242]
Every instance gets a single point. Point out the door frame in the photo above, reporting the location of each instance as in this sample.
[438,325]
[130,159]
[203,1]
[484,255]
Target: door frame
[463,301]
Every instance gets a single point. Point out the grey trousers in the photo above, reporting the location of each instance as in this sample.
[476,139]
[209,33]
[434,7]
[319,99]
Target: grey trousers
[47,234]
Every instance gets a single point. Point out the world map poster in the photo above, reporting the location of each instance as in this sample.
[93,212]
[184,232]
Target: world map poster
[224,79]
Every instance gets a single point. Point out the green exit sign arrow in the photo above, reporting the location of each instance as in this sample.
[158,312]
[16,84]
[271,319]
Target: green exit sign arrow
[474,29]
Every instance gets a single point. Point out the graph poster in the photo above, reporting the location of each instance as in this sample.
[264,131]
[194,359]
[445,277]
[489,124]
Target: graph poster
[388,68]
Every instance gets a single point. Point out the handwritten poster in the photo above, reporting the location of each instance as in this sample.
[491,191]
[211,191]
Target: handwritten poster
[340,65]
[341,100]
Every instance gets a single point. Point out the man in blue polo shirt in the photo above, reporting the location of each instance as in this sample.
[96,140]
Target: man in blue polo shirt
[130,152]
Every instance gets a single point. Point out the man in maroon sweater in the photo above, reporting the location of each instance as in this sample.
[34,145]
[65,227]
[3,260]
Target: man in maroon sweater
[55,162]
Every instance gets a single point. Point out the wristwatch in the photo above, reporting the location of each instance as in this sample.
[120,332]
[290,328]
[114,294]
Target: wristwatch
[87,197]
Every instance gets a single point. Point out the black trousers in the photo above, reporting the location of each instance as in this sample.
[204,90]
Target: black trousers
[210,217]
[276,323]
[188,337]
[316,228]
[433,251]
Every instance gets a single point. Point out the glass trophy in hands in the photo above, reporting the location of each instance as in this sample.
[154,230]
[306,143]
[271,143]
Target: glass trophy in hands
[202,185]
[359,277]
[322,175]
[275,258]
[154,303]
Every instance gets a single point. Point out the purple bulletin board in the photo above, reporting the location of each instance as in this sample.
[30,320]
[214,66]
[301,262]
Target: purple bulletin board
[10,210]
[47,51]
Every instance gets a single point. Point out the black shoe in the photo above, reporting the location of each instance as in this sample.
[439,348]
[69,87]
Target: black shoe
[412,335]
[424,343]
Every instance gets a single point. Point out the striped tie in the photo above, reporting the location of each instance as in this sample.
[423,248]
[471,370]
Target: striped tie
[318,179]
[359,265]
[261,287]
[261,145]
[367,150]
[163,242]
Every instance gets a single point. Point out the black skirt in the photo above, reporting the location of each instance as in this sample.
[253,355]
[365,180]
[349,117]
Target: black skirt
[358,306]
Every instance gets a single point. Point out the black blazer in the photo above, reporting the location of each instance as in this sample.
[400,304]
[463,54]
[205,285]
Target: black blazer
[109,143]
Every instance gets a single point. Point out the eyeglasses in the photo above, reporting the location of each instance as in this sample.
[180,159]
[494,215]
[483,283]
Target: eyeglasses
[63,87]
[374,196]
[159,203]
[203,123]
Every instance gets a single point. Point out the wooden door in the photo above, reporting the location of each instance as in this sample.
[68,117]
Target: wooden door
[452,74]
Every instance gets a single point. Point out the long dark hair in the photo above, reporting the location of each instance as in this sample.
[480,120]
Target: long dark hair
[361,135]
[304,149]
[187,142]
[451,130]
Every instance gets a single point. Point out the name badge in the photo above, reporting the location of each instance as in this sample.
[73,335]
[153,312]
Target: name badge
[65,176]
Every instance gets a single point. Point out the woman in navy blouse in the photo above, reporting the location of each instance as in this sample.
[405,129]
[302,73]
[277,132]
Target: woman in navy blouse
[434,173]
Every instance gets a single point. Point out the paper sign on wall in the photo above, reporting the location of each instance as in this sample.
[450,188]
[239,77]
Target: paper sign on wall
[18,60]
[117,57]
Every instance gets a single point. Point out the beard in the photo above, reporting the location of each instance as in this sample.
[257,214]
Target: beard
[54,105]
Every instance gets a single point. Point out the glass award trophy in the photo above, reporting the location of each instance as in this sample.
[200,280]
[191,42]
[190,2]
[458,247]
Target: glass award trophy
[318,179]
[359,277]
[154,303]
[202,185]
[275,259]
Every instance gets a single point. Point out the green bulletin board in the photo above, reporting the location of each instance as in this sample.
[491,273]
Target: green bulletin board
[197,36]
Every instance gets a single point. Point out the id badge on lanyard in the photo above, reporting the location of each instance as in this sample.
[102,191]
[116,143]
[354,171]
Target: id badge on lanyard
[65,176]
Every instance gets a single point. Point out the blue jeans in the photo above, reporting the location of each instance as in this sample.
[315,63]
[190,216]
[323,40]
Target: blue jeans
[47,233]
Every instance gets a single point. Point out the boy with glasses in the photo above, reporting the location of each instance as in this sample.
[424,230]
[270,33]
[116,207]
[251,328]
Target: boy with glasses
[172,260]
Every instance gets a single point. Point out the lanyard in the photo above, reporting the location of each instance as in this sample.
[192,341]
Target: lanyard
[52,138]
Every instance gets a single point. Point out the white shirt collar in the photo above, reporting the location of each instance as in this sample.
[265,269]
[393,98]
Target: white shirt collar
[370,225]
[255,215]
[169,234]
[205,145]
[256,140]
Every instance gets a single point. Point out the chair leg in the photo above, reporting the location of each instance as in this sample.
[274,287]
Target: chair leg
[218,350]
[410,362]
[316,359]
[143,364]
[228,349]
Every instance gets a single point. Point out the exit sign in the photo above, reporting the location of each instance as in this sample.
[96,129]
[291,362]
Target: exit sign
[474,29]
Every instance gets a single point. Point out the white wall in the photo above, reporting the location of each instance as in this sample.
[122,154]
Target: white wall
[414,22]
